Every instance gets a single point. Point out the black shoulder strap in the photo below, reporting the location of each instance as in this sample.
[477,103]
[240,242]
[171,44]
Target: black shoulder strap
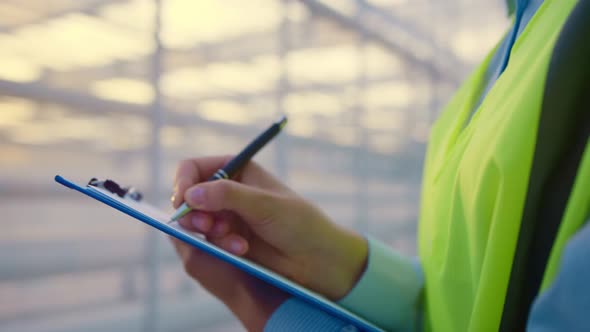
[562,136]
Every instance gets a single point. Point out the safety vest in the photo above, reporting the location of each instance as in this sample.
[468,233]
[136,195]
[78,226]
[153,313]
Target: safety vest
[476,184]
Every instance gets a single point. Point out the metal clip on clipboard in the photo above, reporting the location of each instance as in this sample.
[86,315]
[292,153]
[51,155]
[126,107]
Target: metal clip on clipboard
[113,187]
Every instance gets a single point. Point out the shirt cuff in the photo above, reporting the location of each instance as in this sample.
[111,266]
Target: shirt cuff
[297,316]
[388,292]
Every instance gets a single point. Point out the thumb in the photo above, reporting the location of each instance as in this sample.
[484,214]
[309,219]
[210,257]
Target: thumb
[250,203]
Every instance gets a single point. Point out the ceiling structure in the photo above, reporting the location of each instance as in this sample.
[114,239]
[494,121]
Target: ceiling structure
[220,61]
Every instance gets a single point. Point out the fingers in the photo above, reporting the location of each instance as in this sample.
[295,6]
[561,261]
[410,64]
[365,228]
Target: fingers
[229,241]
[186,175]
[197,221]
[193,171]
[220,230]
[182,249]
[213,225]
[215,275]
[233,243]
[252,204]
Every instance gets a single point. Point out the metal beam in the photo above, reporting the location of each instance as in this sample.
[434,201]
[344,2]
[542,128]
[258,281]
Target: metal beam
[242,48]
[78,6]
[246,47]
[44,93]
[93,105]
[151,319]
[321,9]
[420,40]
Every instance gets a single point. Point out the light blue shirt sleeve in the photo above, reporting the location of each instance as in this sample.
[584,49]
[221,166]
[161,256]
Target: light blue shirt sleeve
[565,305]
[295,315]
[387,295]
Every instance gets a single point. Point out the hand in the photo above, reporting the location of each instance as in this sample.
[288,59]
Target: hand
[258,217]
[251,300]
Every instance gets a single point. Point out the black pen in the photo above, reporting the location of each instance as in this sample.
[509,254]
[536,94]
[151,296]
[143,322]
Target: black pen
[229,170]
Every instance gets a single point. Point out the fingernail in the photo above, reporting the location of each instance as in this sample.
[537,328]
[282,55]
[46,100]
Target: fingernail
[175,190]
[196,196]
[236,246]
[201,223]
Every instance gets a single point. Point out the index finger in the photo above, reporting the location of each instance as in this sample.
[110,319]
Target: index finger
[191,171]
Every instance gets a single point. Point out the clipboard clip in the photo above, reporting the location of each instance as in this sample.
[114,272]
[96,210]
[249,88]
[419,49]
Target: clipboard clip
[113,187]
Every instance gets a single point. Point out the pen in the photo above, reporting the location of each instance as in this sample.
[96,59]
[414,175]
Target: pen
[229,170]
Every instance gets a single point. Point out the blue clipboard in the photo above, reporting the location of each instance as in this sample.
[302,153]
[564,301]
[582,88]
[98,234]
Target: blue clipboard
[158,219]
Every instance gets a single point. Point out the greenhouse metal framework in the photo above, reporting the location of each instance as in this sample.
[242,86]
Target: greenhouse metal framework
[127,88]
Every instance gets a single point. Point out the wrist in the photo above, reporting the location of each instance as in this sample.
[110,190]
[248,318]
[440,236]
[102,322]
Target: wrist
[353,251]
[256,304]
[342,263]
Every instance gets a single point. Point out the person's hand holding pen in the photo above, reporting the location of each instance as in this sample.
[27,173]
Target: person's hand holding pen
[258,217]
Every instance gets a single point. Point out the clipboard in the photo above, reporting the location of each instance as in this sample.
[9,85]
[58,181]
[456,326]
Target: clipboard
[156,218]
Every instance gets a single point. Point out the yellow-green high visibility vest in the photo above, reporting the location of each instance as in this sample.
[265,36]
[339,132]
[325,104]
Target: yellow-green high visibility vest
[476,179]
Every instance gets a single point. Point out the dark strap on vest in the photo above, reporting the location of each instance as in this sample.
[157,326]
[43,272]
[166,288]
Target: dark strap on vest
[562,136]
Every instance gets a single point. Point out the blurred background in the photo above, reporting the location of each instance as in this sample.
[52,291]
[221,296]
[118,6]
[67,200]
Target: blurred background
[124,89]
